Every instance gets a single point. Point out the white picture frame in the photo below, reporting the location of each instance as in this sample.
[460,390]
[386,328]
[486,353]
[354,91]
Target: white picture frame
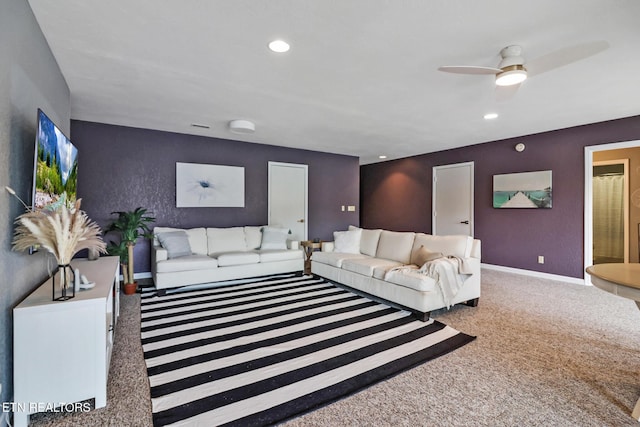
[201,185]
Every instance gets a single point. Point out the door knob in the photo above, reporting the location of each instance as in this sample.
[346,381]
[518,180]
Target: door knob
[464,222]
[301,220]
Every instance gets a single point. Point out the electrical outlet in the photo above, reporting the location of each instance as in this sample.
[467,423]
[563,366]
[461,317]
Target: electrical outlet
[540,259]
[351,208]
[342,208]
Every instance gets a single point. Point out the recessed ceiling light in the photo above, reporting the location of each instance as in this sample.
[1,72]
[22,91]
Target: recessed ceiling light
[491,116]
[382,157]
[279,46]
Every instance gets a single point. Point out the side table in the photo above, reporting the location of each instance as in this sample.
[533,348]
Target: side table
[622,280]
[308,246]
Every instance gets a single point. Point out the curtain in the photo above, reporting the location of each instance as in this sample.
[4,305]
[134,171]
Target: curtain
[608,216]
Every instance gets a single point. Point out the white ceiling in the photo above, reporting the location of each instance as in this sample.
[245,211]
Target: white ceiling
[361,76]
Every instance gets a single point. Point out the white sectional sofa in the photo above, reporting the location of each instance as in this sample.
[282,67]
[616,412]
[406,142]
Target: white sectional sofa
[181,257]
[417,271]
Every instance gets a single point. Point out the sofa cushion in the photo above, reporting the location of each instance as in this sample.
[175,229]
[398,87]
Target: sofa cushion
[368,240]
[369,266]
[395,245]
[187,263]
[413,279]
[197,238]
[381,271]
[422,255]
[271,255]
[237,258]
[347,242]
[176,243]
[456,245]
[334,258]
[274,238]
[226,240]
[253,237]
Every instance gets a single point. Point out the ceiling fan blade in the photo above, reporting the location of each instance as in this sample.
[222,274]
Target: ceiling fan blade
[468,69]
[565,56]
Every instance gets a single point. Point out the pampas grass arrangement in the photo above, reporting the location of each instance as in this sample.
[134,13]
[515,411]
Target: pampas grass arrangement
[63,232]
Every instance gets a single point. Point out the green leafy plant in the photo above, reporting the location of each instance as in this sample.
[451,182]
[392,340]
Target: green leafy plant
[131,225]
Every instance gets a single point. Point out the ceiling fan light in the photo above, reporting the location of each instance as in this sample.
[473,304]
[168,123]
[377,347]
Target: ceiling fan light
[511,76]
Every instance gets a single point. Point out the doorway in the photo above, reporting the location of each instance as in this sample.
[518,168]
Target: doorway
[452,212]
[288,201]
[634,199]
[610,195]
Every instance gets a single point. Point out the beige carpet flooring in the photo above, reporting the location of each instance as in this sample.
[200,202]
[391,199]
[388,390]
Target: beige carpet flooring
[548,353]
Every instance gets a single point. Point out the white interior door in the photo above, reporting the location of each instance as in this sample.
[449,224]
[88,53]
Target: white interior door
[453,199]
[288,198]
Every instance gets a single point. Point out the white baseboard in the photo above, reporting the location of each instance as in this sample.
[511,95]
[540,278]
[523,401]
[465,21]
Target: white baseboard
[532,273]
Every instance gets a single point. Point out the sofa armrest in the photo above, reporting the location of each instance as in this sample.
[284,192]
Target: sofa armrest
[158,253]
[475,249]
[327,246]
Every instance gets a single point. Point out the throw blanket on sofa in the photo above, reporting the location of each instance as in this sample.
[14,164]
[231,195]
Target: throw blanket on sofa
[449,273]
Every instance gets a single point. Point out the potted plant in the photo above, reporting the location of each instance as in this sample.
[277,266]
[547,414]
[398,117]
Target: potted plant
[131,225]
[120,250]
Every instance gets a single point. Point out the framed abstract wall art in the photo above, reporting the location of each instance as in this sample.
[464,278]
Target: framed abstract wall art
[199,185]
[522,190]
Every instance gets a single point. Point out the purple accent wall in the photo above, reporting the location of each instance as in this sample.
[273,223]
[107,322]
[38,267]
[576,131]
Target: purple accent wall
[121,168]
[396,195]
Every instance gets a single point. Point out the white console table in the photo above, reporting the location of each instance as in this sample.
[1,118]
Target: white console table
[62,349]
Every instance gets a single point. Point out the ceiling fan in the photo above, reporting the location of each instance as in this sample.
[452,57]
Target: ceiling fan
[513,69]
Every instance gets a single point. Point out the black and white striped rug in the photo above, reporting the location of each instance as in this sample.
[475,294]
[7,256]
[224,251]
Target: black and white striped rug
[257,353]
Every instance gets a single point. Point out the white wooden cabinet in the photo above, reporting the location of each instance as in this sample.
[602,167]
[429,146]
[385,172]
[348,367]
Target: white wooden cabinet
[62,349]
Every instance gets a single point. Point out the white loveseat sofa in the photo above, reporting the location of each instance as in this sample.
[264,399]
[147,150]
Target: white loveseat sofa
[181,257]
[403,267]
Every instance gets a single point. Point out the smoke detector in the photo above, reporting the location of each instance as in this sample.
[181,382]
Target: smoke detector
[242,126]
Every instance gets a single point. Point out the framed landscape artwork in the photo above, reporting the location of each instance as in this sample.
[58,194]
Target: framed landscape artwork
[199,185]
[522,190]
